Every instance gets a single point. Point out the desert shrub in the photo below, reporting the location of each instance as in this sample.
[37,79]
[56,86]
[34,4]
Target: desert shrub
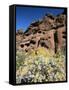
[40,66]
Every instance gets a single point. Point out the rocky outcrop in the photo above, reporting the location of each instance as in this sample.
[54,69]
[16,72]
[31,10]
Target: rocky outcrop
[50,32]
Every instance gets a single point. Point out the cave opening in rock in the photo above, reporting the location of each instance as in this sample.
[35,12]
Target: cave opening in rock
[43,44]
[22,45]
[39,31]
[64,34]
[33,42]
[27,44]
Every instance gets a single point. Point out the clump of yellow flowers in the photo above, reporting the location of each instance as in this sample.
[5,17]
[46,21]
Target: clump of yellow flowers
[40,65]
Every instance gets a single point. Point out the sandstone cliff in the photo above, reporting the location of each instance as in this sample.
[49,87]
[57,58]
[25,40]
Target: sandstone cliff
[49,32]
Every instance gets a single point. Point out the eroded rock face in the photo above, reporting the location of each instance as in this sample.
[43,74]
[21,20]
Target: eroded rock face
[50,32]
[61,34]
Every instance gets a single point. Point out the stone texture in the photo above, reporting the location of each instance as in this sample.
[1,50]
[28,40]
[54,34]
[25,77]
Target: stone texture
[49,32]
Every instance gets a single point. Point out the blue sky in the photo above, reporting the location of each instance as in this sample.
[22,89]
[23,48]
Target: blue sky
[26,15]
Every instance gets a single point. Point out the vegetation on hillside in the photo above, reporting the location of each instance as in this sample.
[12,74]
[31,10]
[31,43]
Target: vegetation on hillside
[39,65]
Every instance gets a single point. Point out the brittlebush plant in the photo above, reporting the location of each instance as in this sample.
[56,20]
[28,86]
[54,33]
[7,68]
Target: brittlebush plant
[40,65]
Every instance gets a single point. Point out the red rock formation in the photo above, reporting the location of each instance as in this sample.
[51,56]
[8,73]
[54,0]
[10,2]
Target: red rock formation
[60,34]
[42,34]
